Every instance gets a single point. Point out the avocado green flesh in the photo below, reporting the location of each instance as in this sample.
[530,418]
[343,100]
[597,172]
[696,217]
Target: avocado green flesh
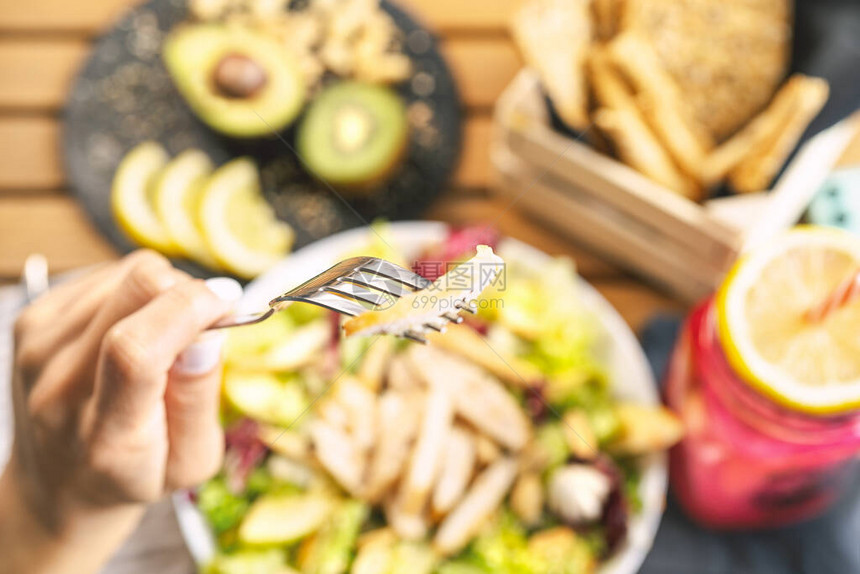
[192,54]
[354,134]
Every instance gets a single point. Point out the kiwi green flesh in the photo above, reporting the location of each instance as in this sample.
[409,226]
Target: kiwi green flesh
[238,81]
[354,134]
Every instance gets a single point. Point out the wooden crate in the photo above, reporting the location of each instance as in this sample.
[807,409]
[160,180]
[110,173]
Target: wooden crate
[593,198]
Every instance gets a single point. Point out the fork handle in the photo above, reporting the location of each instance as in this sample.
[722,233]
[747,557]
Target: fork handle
[242,320]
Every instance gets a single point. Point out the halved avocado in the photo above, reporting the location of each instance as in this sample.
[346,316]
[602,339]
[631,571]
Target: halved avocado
[354,135]
[241,83]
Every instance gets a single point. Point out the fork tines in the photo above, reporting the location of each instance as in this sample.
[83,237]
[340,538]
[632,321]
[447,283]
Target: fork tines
[360,284]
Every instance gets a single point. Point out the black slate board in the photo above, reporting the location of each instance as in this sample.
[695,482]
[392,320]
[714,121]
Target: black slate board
[123,96]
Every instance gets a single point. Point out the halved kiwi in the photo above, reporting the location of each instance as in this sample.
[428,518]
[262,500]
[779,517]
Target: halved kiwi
[354,135]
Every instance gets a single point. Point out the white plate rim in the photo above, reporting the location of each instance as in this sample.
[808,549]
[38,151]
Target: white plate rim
[630,375]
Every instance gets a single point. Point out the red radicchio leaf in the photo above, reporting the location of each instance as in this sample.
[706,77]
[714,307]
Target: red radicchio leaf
[244,451]
[458,246]
[536,403]
[616,510]
[476,323]
[331,354]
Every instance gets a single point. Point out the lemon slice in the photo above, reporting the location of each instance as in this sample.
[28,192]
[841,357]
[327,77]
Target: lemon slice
[812,367]
[176,195]
[238,225]
[131,197]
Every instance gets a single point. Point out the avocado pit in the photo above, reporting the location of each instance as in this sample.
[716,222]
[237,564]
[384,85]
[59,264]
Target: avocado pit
[236,76]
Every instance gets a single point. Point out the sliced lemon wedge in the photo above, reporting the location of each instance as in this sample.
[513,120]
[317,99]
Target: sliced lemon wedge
[240,228]
[808,366]
[131,197]
[177,196]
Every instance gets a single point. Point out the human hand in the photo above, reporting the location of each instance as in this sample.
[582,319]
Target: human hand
[115,389]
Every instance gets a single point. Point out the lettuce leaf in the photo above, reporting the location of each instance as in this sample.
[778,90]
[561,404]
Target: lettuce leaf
[222,508]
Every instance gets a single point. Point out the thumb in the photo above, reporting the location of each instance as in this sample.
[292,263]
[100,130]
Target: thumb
[196,440]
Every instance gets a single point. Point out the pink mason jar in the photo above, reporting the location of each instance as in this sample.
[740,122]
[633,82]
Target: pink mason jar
[746,461]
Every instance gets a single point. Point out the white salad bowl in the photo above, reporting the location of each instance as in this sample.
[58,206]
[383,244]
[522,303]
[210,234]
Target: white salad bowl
[630,375]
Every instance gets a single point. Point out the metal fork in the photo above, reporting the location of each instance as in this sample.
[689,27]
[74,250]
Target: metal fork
[354,286]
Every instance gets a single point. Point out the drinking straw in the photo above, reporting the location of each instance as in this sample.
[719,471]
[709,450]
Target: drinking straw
[845,293]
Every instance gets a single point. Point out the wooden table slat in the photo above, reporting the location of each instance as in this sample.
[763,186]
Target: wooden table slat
[36,74]
[30,153]
[94,15]
[483,67]
[474,169]
[55,226]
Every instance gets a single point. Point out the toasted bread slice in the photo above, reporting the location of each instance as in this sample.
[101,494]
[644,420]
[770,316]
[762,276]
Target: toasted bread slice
[609,87]
[638,147]
[757,170]
[607,18]
[554,37]
[728,57]
[758,135]
[660,101]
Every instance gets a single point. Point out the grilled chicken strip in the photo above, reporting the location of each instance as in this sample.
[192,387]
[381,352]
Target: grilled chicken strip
[483,498]
[429,451]
[338,454]
[457,469]
[399,418]
[478,397]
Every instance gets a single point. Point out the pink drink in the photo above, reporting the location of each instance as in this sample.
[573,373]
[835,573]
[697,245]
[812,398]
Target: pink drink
[746,461]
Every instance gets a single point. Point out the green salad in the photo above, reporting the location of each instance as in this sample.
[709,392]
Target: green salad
[496,448]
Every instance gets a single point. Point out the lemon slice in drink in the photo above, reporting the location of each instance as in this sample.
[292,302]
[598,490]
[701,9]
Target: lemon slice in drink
[177,195]
[811,367]
[239,227]
[131,197]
